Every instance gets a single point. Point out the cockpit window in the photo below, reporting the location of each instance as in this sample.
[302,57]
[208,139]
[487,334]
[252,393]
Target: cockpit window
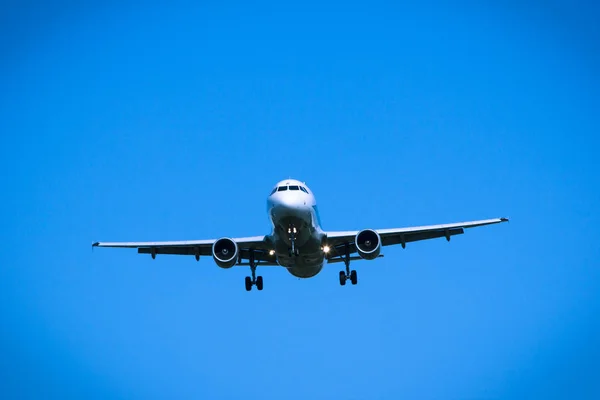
[303,189]
[273,191]
[281,188]
[294,188]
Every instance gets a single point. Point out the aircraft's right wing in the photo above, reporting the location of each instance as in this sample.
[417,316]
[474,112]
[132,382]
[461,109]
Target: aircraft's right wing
[258,245]
[338,240]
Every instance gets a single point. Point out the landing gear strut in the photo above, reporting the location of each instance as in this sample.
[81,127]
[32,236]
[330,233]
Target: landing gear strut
[254,280]
[294,252]
[348,274]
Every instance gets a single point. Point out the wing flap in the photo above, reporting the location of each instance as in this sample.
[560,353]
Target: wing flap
[259,255]
[177,250]
[391,239]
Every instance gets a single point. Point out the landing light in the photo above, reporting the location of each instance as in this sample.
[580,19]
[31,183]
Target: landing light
[271,252]
[326,249]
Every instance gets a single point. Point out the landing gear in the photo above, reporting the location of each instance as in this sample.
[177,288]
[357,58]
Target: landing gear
[345,275]
[254,280]
[293,252]
[353,277]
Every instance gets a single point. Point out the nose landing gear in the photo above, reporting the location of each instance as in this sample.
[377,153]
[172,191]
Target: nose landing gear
[293,252]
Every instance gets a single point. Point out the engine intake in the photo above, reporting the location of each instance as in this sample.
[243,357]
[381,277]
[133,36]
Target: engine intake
[225,252]
[368,244]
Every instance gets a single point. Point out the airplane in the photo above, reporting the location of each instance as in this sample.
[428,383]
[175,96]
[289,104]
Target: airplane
[297,242]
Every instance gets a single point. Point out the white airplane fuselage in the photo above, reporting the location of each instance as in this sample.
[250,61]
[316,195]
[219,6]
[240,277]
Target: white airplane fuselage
[292,209]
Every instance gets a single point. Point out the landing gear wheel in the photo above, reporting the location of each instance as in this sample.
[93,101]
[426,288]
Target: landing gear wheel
[353,277]
[248,282]
[259,282]
[342,278]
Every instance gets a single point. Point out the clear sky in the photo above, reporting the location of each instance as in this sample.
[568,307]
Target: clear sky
[121,122]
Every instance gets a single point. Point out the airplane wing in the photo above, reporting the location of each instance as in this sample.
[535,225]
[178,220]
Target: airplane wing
[259,245]
[337,241]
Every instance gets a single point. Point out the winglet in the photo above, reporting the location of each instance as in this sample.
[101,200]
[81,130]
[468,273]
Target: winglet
[95,244]
[503,219]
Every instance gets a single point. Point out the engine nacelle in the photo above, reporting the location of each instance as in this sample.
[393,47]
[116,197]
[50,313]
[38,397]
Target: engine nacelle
[225,252]
[368,244]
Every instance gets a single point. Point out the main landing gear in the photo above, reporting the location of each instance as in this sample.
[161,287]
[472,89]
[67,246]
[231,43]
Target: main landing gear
[294,252]
[254,280]
[345,275]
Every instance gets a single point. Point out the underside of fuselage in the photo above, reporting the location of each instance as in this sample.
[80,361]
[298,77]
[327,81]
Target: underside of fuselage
[305,271]
[308,261]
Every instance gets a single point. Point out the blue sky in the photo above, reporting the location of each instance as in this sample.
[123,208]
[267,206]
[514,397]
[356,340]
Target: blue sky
[164,123]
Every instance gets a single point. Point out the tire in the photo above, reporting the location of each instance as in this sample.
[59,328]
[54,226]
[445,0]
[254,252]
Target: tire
[248,282]
[342,278]
[259,282]
[353,277]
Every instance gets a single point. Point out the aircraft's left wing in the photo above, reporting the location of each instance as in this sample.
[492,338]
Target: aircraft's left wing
[259,245]
[338,240]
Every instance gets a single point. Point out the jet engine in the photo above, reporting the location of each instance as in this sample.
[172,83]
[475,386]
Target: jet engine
[225,252]
[368,244]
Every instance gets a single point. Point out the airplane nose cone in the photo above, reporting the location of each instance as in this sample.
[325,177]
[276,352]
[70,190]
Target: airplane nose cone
[283,208]
[287,205]
[289,202]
